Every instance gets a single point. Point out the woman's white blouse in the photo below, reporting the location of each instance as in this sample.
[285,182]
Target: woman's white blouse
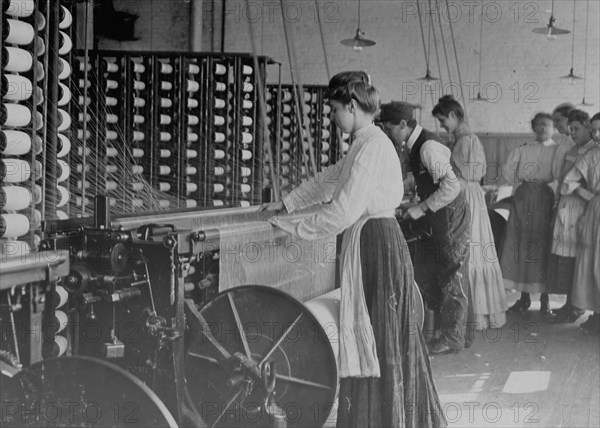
[366,182]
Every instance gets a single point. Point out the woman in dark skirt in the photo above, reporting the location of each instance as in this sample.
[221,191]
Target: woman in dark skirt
[386,379]
[405,377]
[528,236]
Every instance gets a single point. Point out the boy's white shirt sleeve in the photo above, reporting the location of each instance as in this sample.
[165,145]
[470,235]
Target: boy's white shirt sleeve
[436,158]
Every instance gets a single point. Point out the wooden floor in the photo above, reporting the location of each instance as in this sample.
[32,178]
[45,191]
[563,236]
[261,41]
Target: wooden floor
[530,373]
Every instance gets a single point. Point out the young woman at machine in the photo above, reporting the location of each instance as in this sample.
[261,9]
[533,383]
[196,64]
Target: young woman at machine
[487,299]
[386,379]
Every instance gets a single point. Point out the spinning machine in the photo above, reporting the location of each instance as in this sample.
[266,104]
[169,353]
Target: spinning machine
[87,302]
[172,298]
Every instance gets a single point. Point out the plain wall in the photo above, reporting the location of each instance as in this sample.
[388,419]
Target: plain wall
[520,70]
[519,74]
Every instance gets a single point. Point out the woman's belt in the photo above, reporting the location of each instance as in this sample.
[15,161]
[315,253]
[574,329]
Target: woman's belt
[383,214]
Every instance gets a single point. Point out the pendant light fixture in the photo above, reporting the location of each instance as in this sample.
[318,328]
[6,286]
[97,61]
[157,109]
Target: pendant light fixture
[571,76]
[587,21]
[479,97]
[550,30]
[358,42]
[426,49]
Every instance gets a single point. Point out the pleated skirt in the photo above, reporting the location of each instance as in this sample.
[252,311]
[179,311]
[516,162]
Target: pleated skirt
[527,240]
[487,297]
[405,394]
[586,285]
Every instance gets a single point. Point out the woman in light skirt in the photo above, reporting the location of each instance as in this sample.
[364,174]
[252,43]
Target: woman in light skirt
[487,298]
[569,209]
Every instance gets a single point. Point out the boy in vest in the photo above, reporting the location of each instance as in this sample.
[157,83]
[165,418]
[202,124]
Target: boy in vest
[443,203]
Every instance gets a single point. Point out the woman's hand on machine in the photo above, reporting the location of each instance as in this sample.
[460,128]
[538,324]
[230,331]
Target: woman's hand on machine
[272,206]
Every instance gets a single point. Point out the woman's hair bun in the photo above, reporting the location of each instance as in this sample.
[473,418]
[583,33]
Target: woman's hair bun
[446,98]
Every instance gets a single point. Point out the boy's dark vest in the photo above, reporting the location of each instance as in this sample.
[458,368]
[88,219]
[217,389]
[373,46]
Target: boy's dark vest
[426,186]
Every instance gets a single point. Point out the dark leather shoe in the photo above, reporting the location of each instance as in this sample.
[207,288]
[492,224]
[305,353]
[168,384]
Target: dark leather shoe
[520,306]
[592,325]
[440,346]
[563,308]
[567,316]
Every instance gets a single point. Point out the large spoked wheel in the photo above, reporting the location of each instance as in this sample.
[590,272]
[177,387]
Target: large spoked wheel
[80,391]
[255,355]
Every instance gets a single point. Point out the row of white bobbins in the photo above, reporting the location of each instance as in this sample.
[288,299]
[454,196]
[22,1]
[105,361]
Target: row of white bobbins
[245,187]
[319,127]
[61,320]
[192,136]
[224,146]
[115,147]
[223,126]
[284,114]
[21,66]
[65,121]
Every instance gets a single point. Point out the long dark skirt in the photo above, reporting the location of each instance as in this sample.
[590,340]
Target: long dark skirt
[561,271]
[404,395]
[526,244]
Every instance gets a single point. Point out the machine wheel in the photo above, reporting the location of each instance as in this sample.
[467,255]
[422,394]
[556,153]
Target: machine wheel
[256,354]
[81,391]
